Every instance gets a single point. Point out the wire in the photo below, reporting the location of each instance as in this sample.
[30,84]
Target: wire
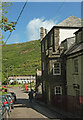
[59,9]
[21,12]
[16,21]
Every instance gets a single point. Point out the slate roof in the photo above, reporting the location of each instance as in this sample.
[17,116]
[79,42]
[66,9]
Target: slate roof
[81,29]
[71,21]
[75,48]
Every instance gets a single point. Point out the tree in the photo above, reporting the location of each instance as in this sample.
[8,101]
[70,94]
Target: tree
[4,22]
[5,25]
[4,81]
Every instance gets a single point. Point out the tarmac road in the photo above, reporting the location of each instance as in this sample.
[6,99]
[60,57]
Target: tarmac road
[24,109]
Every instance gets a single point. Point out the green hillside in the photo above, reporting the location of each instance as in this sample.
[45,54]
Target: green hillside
[21,58]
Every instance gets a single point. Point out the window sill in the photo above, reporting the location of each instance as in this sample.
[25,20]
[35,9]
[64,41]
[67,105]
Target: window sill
[58,94]
[75,74]
[57,74]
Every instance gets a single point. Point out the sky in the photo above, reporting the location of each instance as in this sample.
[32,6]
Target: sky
[36,15]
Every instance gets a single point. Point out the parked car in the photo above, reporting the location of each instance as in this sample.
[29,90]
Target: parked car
[4,107]
[14,95]
[10,100]
[1,111]
[11,96]
[7,107]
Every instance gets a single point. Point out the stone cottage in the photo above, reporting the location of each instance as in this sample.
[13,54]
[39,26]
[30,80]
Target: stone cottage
[38,86]
[53,61]
[22,79]
[74,74]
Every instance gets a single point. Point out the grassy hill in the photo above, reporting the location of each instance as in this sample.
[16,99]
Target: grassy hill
[21,58]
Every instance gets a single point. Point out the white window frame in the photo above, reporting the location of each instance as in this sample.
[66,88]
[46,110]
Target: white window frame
[59,69]
[59,93]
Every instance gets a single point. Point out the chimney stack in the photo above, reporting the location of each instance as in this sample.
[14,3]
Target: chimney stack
[46,31]
[42,33]
[56,40]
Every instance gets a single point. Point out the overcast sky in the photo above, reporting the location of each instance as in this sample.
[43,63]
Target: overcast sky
[36,15]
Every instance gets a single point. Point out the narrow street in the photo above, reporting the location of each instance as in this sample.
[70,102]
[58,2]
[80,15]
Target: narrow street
[24,109]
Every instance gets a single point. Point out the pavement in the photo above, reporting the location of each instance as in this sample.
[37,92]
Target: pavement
[60,113]
[24,109]
[63,114]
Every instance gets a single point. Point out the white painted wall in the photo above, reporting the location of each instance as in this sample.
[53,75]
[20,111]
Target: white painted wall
[22,79]
[66,33]
[11,81]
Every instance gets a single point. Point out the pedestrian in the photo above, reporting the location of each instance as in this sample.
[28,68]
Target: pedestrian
[25,87]
[31,95]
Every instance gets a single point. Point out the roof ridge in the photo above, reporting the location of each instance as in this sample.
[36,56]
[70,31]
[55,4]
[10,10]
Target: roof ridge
[70,21]
[74,16]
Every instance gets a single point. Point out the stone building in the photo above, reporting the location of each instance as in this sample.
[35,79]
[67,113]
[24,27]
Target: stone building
[38,87]
[38,82]
[53,61]
[22,79]
[74,74]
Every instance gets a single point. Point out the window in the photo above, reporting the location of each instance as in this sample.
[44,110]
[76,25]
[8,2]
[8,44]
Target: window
[76,66]
[58,90]
[42,47]
[51,39]
[57,68]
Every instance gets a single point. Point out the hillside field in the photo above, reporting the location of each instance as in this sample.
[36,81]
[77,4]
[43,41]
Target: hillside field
[21,58]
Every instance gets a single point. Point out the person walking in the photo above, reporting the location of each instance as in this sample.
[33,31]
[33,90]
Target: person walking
[25,87]
[31,95]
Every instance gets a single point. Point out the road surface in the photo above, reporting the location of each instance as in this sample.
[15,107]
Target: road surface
[24,109]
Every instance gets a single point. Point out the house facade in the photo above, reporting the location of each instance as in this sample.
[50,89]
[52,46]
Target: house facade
[38,86]
[21,79]
[53,61]
[74,74]
[38,82]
